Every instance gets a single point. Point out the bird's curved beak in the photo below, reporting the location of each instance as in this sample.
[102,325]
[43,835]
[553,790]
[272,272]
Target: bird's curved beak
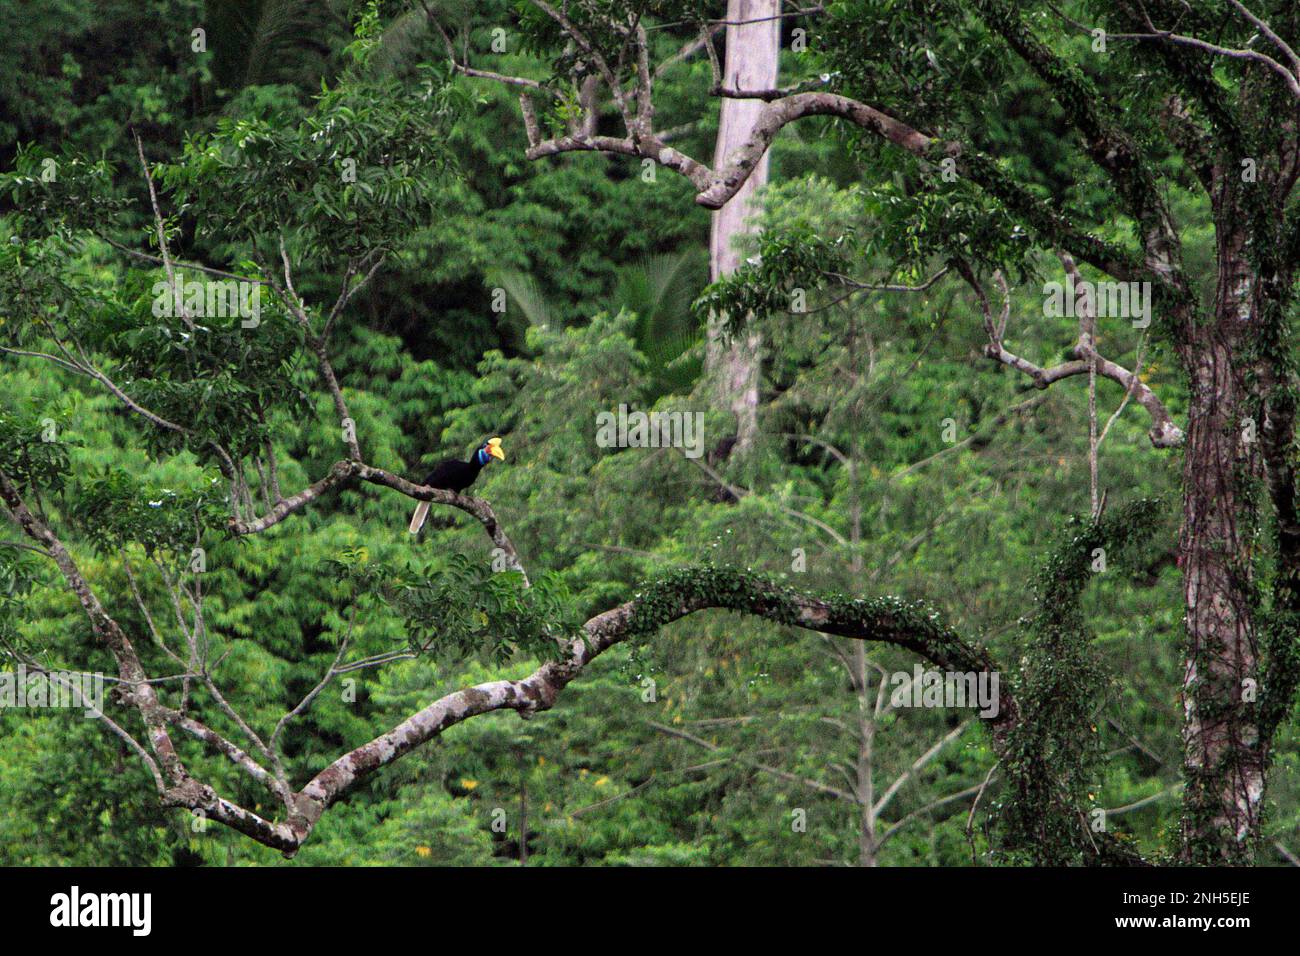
[494,449]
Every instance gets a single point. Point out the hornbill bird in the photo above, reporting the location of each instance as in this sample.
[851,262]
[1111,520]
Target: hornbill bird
[452,474]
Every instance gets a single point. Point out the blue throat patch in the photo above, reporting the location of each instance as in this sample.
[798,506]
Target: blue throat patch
[483,456]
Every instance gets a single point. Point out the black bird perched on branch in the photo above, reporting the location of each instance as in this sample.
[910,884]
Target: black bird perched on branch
[452,474]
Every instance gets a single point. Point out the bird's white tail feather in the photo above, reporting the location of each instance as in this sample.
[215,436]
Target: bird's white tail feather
[417,519]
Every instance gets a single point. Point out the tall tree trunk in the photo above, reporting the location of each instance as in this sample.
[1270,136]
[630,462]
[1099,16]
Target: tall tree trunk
[1223,753]
[868,847]
[753,51]
[866,792]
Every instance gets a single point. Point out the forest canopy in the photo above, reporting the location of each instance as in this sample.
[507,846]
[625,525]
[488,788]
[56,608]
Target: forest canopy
[873,428]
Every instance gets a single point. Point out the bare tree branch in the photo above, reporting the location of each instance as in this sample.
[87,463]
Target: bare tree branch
[346,472]
[918,764]
[808,782]
[1164,433]
[161,228]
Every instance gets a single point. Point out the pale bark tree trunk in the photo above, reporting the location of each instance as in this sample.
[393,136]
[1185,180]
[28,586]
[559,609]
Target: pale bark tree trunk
[753,51]
[867,845]
[865,759]
[523,816]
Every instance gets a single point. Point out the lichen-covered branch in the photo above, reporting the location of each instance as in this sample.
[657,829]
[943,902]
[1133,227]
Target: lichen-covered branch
[1052,755]
[912,626]
[140,692]
[177,788]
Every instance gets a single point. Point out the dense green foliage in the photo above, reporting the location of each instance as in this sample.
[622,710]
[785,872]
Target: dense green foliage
[898,468]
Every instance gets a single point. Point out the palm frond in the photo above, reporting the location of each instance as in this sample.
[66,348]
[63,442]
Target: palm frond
[524,291]
[276,23]
[399,40]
